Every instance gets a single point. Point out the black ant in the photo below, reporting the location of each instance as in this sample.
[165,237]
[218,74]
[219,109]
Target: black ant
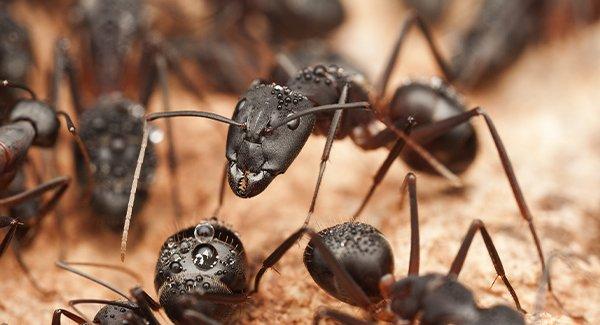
[257,153]
[201,276]
[356,266]
[31,122]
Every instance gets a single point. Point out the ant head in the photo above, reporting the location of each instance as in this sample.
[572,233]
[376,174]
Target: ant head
[258,153]
[112,132]
[43,118]
[206,258]
[436,295]
[121,312]
[361,250]
[15,49]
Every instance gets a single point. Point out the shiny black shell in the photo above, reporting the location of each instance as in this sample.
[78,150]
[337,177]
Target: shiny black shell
[431,102]
[363,252]
[187,265]
[117,315]
[112,132]
[256,157]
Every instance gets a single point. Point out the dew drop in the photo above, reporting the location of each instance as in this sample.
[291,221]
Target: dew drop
[204,232]
[293,124]
[176,267]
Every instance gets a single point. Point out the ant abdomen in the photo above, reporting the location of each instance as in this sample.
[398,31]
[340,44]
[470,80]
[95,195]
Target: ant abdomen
[362,251]
[428,103]
[206,258]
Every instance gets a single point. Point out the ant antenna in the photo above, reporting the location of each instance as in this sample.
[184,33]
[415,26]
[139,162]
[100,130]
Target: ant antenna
[138,168]
[66,266]
[84,152]
[8,84]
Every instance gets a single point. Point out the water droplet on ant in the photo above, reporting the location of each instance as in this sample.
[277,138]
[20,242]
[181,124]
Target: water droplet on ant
[293,124]
[176,267]
[204,232]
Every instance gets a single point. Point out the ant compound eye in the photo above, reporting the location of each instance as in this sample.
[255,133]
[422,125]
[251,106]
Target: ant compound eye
[240,104]
[293,124]
[205,256]
[204,232]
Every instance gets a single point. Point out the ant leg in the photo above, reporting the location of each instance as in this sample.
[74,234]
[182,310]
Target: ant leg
[435,129]
[13,224]
[56,317]
[146,305]
[59,184]
[140,160]
[171,150]
[410,184]
[344,280]
[64,63]
[221,192]
[338,316]
[335,121]
[412,19]
[149,71]
[275,256]
[34,283]
[459,260]
[384,168]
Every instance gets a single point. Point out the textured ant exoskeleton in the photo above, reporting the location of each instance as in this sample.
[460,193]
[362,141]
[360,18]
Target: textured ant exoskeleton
[32,122]
[361,271]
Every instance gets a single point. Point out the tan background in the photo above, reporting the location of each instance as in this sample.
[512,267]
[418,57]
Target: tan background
[546,110]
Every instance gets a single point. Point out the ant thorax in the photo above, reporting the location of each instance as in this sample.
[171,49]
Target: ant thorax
[206,258]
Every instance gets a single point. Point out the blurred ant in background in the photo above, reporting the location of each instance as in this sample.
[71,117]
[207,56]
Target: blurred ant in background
[16,57]
[503,29]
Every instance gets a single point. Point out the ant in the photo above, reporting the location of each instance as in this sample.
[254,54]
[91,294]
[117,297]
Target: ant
[201,276]
[361,274]
[31,122]
[257,153]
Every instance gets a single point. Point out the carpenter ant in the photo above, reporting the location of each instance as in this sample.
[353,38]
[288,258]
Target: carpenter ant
[111,129]
[32,122]
[263,138]
[201,276]
[16,57]
[361,274]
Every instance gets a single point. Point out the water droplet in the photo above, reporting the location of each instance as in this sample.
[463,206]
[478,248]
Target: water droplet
[185,247]
[206,285]
[176,257]
[176,267]
[293,124]
[204,232]
[205,257]
[199,278]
